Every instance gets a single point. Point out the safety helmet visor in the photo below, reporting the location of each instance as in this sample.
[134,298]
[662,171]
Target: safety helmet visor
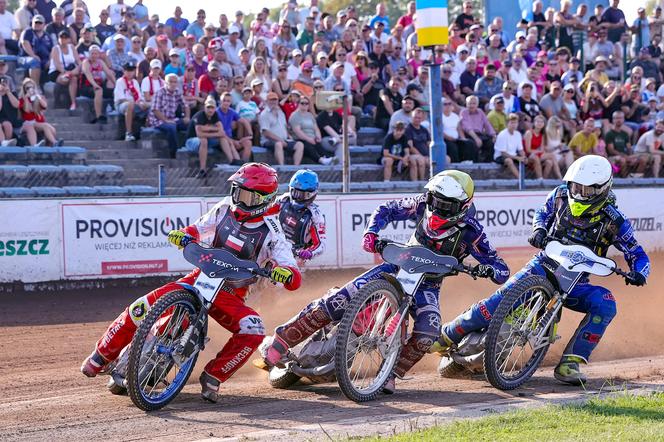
[248,198]
[302,196]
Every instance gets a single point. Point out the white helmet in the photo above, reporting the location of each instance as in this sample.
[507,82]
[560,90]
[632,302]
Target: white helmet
[448,198]
[588,181]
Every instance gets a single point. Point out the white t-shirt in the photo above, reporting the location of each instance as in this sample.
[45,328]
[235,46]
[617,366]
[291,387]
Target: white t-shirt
[509,143]
[115,13]
[647,140]
[7,25]
[122,91]
[156,85]
[451,125]
[349,72]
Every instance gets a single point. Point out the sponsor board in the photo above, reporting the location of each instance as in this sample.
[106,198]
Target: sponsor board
[29,241]
[124,237]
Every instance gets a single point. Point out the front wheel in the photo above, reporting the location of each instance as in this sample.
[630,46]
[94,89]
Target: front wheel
[369,341]
[516,341]
[153,377]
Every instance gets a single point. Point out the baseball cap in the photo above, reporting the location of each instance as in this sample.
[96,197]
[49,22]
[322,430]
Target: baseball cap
[569,87]
[173,52]
[246,89]
[155,64]
[342,13]
[38,19]
[336,64]
[239,13]
[213,65]
[64,34]
[96,48]
[117,37]
[296,52]
[462,48]
[233,29]
[272,96]
[89,28]
[256,82]
[321,55]
[129,66]
[519,34]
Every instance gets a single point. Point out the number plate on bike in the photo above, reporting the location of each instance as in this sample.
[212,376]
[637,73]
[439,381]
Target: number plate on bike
[419,259]
[219,263]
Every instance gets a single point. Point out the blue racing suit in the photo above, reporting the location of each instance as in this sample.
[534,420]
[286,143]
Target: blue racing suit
[466,238]
[598,231]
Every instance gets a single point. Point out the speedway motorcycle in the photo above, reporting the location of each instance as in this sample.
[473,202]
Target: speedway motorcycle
[525,322]
[163,353]
[375,324]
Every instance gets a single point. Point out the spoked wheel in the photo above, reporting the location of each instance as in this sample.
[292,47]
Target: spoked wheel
[153,377]
[369,341]
[516,341]
[282,377]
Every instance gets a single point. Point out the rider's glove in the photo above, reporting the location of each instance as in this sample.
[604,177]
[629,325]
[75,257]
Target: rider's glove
[179,238]
[281,274]
[537,238]
[305,254]
[484,271]
[635,278]
[369,242]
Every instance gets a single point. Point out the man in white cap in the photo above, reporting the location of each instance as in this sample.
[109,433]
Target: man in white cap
[36,46]
[232,45]
[294,67]
[117,55]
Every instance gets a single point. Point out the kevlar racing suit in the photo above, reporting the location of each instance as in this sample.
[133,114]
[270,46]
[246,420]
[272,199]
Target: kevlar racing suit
[303,225]
[259,239]
[597,231]
[466,238]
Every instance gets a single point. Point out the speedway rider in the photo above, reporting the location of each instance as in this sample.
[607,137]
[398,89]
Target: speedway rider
[445,224]
[301,220]
[246,224]
[581,211]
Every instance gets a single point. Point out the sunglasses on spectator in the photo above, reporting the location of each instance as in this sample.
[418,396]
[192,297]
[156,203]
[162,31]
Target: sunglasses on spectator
[318,87]
[396,48]
[570,91]
[238,82]
[304,103]
[447,103]
[282,69]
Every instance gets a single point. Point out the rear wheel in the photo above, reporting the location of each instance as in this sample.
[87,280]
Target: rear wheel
[450,369]
[282,377]
[513,352]
[153,377]
[369,341]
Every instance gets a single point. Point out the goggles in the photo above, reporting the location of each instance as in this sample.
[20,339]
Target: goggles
[249,198]
[583,193]
[445,207]
[303,196]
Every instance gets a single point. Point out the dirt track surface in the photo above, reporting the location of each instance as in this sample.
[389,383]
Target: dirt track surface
[43,396]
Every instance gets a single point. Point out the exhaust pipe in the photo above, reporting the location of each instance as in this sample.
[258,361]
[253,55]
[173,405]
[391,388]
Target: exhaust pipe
[315,371]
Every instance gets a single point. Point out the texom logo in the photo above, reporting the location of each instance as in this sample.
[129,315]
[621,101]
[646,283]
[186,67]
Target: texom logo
[24,247]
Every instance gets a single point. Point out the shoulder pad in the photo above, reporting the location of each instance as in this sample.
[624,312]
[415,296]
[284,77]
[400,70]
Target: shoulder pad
[470,222]
[614,214]
[273,224]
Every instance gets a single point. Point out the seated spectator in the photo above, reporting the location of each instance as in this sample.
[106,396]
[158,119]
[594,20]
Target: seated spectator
[36,46]
[238,130]
[337,77]
[190,91]
[305,129]
[248,109]
[56,26]
[459,148]
[418,138]
[274,132]
[585,141]
[117,56]
[128,100]
[634,109]
[8,107]
[508,149]
[534,147]
[469,77]
[487,86]
[291,103]
[552,104]
[206,132]
[153,82]
[477,127]
[651,147]
[403,114]
[395,151]
[143,69]
[497,116]
[136,51]
[32,105]
[256,92]
[173,66]
[97,82]
[529,106]
[207,82]
[163,112]
[330,124]
[281,85]
[259,71]
[220,57]
[320,70]
[65,66]
[389,101]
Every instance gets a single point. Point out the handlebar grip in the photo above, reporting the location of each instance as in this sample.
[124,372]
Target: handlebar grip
[380,245]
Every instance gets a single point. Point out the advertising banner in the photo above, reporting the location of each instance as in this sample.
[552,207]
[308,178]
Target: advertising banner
[30,241]
[124,237]
[645,210]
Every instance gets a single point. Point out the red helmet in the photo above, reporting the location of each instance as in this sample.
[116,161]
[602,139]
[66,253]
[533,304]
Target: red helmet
[253,189]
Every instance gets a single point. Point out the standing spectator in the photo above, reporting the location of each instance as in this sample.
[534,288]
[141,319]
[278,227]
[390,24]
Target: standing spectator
[585,141]
[509,146]
[152,83]
[9,28]
[128,99]
[36,45]
[176,25]
[232,45]
[305,129]
[395,151]
[65,64]
[196,28]
[206,132]
[116,11]
[274,132]
[25,14]
[237,130]
[466,19]
[104,29]
[651,147]
[380,17]
[459,148]
[163,112]
[418,138]
[32,106]
[613,19]
[478,128]
[407,19]
[97,82]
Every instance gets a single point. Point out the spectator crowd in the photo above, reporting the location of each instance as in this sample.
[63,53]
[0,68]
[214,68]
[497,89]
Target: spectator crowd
[567,83]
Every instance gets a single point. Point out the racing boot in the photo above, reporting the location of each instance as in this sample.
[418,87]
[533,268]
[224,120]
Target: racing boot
[568,370]
[272,351]
[93,364]
[442,345]
[390,387]
[209,387]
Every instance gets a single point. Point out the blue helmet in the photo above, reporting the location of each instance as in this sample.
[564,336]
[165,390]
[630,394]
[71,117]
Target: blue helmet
[303,186]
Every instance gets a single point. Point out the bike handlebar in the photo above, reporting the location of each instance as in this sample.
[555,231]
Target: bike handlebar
[615,269]
[260,271]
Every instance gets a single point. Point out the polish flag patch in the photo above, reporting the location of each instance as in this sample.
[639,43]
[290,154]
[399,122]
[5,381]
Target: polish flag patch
[234,243]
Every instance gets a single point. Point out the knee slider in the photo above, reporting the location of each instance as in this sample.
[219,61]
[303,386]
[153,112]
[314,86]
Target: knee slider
[423,342]
[252,325]
[139,309]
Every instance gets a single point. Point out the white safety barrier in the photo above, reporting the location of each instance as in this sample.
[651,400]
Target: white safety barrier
[50,240]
